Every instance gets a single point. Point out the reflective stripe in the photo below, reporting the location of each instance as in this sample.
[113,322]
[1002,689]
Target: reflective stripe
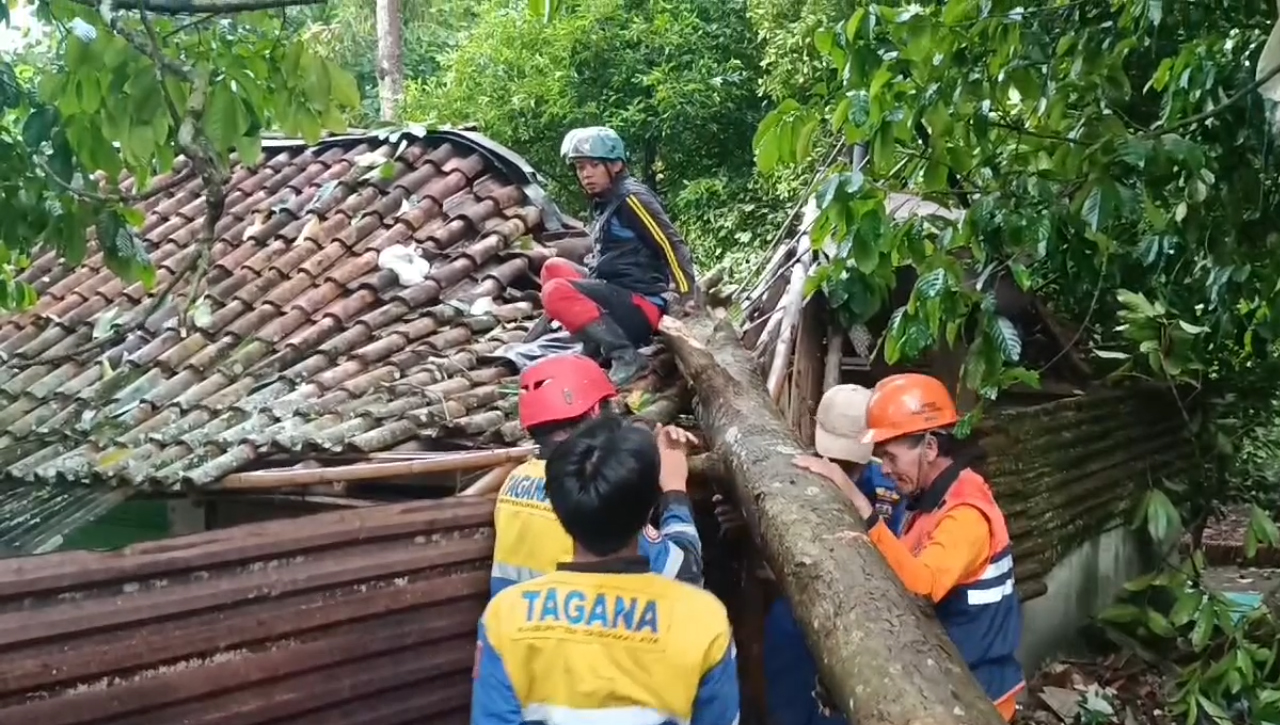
[686,529]
[513,573]
[998,568]
[982,597]
[561,715]
[675,558]
[664,244]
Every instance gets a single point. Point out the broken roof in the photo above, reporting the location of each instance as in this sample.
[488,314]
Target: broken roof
[304,343]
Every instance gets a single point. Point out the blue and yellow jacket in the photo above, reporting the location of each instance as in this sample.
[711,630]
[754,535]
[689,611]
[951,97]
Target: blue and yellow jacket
[636,247]
[529,540]
[605,642]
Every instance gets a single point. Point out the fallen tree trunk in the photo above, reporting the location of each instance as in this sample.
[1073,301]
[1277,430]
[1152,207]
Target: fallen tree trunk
[881,654]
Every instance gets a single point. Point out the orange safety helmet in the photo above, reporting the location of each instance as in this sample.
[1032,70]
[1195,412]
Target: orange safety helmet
[906,404]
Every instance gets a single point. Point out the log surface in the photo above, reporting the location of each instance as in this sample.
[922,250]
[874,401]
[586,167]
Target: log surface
[880,651]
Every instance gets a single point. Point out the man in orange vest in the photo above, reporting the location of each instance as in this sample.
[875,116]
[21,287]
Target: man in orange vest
[955,547]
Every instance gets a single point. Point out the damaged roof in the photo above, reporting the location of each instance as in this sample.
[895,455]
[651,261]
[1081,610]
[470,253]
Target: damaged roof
[303,342]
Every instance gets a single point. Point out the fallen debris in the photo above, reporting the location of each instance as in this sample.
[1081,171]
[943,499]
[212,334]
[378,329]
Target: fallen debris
[1119,688]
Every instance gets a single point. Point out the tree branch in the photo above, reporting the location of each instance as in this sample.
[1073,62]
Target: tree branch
[197,7]
[1206,115]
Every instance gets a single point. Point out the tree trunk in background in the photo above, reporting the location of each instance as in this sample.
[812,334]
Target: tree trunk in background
[883,657]
[390,58]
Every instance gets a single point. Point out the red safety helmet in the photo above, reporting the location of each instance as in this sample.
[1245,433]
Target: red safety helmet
[562,388]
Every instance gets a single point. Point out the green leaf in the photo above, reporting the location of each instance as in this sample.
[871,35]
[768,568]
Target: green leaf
[1099,205]
[249,149]
[133,216]
[1143,582]
[1137,302]
[955,11]
[893,335]
[1005,337]
[1121,614]
[766,144]
[345,91]
[316,83]
[1213,710]
[1158,624]
[930,286]
[543,9]
[884,150]
[38,127]
[1186,608]
[866,253]
[123,252]
[225,119]
[1019,375]
[1162,515]
[840,115]
[804,139]
[1263,526]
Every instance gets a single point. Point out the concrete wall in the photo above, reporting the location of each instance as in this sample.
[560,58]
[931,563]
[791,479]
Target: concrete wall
[1083,583]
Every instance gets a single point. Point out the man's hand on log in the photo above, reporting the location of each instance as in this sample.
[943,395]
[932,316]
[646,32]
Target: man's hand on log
[836,475]
[673,453]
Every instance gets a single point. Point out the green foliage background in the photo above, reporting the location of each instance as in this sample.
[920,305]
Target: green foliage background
[677,78]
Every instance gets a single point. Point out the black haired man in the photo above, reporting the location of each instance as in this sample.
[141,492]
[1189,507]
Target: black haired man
[602,639]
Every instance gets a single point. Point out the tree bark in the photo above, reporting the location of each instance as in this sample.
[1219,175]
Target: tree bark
[881,654]
[390,58]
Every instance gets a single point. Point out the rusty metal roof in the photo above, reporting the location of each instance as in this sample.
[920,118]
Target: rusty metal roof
[308,344]
[360,616]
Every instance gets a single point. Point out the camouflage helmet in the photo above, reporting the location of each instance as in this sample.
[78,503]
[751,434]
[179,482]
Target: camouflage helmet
[593,142]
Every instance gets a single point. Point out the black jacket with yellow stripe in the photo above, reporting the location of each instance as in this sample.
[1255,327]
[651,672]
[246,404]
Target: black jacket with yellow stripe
[635,245]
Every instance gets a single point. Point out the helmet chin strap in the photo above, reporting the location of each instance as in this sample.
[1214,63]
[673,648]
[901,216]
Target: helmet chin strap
[924,445]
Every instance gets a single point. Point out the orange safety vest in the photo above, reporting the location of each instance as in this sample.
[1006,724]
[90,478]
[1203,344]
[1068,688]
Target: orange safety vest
[982,614]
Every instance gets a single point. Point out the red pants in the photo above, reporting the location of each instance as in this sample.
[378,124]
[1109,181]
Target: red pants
[576,301]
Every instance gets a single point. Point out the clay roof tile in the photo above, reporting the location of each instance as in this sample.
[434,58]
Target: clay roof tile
[297,318]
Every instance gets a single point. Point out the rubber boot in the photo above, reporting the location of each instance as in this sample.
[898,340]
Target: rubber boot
[625,362]
[592,350]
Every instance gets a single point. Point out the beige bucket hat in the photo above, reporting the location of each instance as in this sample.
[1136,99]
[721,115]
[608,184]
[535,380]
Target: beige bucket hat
[842,424]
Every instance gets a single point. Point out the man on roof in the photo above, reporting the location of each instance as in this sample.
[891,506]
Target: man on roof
[558,395]
[603,639]
[638,268]
[794,694]
[954,548]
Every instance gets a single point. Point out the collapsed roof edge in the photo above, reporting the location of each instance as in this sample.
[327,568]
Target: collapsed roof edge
[510,163]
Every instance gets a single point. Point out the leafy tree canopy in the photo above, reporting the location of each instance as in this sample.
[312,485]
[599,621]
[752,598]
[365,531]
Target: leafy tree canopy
[1110,154]
[677,78]
[345,31]
[125,93]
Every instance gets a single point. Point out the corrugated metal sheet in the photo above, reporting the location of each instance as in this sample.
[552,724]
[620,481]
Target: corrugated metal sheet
[36,519]
[361,616]
[1067,471]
